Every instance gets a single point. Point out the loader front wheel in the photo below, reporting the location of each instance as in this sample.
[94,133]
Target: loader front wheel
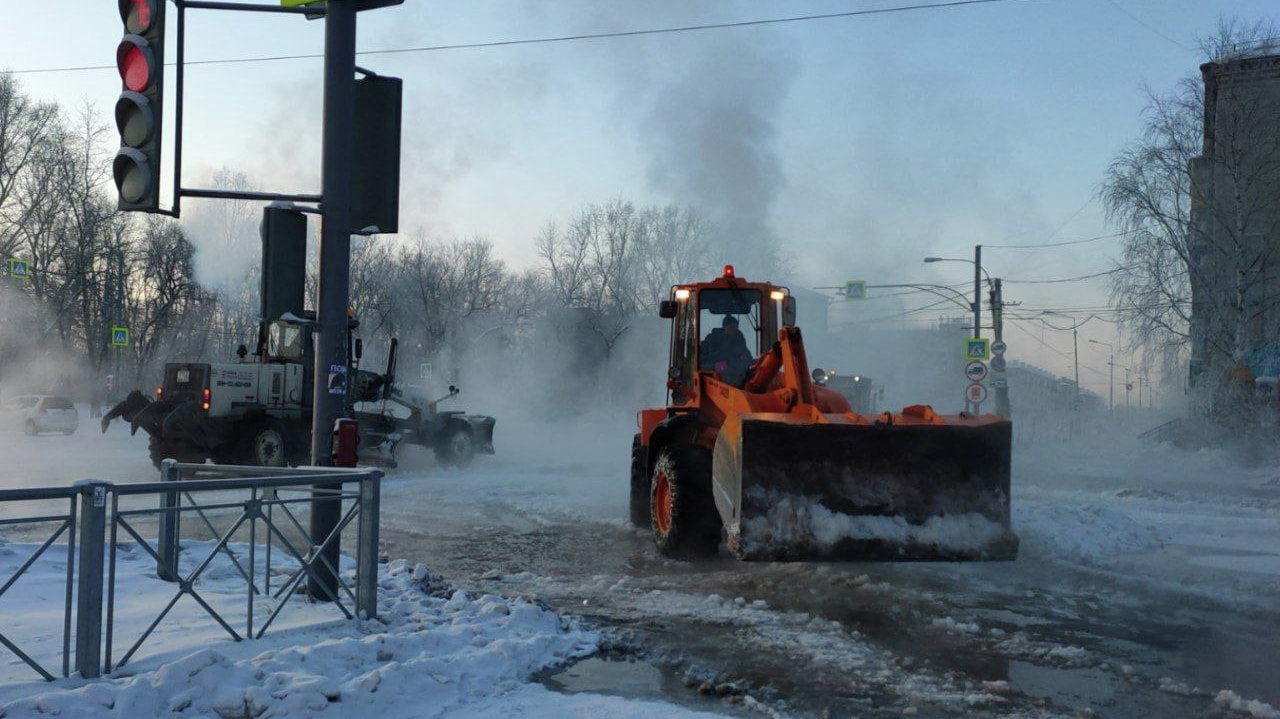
[682,517]
[639,485]
[160,450]
[457,448]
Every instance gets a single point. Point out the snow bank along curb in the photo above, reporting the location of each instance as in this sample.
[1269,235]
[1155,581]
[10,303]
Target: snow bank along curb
[432,647]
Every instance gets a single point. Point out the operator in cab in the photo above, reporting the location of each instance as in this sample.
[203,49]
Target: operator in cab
[724,350]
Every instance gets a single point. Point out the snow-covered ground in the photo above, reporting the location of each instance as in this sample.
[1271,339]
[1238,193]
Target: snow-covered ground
[433,651]
[1148,583]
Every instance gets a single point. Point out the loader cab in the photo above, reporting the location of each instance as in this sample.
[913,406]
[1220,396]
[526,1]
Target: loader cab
[286,341]
[702,336]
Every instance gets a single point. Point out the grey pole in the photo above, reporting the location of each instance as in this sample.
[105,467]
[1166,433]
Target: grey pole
[93,525]
[977,300]
[997,321]
[1111,382]
[335,269]
[1075,350]
[977,291]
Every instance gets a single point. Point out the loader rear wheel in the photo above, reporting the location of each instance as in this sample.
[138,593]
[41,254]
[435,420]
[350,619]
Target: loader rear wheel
[639,485]
[268,446]
[682,517]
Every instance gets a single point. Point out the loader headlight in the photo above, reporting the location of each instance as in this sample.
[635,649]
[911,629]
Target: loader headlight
[682,294]
[777,295]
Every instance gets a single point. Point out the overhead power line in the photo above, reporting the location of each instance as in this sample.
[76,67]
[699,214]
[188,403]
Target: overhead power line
[566,38]
[1068,279]
[1057,244]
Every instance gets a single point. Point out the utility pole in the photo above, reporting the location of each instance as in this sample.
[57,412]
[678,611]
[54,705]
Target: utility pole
[1111,383]
[330,386]
[997,322]
[1111,374]
[1075,351]
[977,291]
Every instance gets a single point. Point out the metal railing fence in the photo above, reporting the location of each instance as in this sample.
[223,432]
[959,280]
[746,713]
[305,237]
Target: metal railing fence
[254,497]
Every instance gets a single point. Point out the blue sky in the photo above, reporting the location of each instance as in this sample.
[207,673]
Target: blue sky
[862,143]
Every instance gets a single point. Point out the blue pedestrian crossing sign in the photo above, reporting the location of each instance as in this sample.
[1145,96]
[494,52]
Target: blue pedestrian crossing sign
[119,336]
[977,349]
[855,290]
[19,269]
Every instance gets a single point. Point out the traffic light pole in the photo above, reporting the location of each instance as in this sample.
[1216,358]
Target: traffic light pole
[328,398]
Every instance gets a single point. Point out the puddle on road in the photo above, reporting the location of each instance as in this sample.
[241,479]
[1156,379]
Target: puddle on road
[1068,687]
[603,676]
[631,679]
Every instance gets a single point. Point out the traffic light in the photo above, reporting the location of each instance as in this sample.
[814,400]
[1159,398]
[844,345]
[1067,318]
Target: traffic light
[140,60]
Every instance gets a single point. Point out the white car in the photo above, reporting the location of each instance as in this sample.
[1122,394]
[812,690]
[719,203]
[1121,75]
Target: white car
[36,413]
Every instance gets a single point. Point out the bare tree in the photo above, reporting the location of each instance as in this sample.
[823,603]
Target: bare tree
[674,247]
[164,303]
[24,131]
[594,270]
[1195,198]
[456,292]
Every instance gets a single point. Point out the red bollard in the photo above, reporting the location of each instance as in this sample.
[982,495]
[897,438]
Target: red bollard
[346,442]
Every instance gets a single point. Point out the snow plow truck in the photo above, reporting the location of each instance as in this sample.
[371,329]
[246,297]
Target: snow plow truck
[750,449]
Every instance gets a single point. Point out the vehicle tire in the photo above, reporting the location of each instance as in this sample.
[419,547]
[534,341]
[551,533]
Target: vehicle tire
[457,448]
[268,446]
[160,450]
[639,485]
[683,518]
[29,428]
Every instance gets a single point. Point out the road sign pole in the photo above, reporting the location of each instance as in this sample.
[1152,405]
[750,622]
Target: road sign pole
[335,269]
[997,316]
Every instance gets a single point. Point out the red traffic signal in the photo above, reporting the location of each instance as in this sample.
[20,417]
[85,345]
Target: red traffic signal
[136,63]
[140,61]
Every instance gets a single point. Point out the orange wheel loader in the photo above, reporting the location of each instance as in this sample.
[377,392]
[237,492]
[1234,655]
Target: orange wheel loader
[754,451]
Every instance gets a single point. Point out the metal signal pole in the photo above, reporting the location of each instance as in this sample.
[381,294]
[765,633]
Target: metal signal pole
[329,395]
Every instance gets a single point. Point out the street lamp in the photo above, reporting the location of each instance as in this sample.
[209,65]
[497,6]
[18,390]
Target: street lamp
[1111,378]
[977,284]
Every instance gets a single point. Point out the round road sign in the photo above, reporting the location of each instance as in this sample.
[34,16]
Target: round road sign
[975,371]
[975,393]
[998,348]
[997,363]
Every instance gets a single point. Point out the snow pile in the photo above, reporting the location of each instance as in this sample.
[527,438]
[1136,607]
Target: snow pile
[449,654]
[803,521]
[1082,531]
[1252,707]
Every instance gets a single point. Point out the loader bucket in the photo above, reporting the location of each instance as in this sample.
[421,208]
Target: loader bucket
[151,417]
[789,490]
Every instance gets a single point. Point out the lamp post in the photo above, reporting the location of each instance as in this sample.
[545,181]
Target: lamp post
[977,284]
[1111,376]
[1002,393]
